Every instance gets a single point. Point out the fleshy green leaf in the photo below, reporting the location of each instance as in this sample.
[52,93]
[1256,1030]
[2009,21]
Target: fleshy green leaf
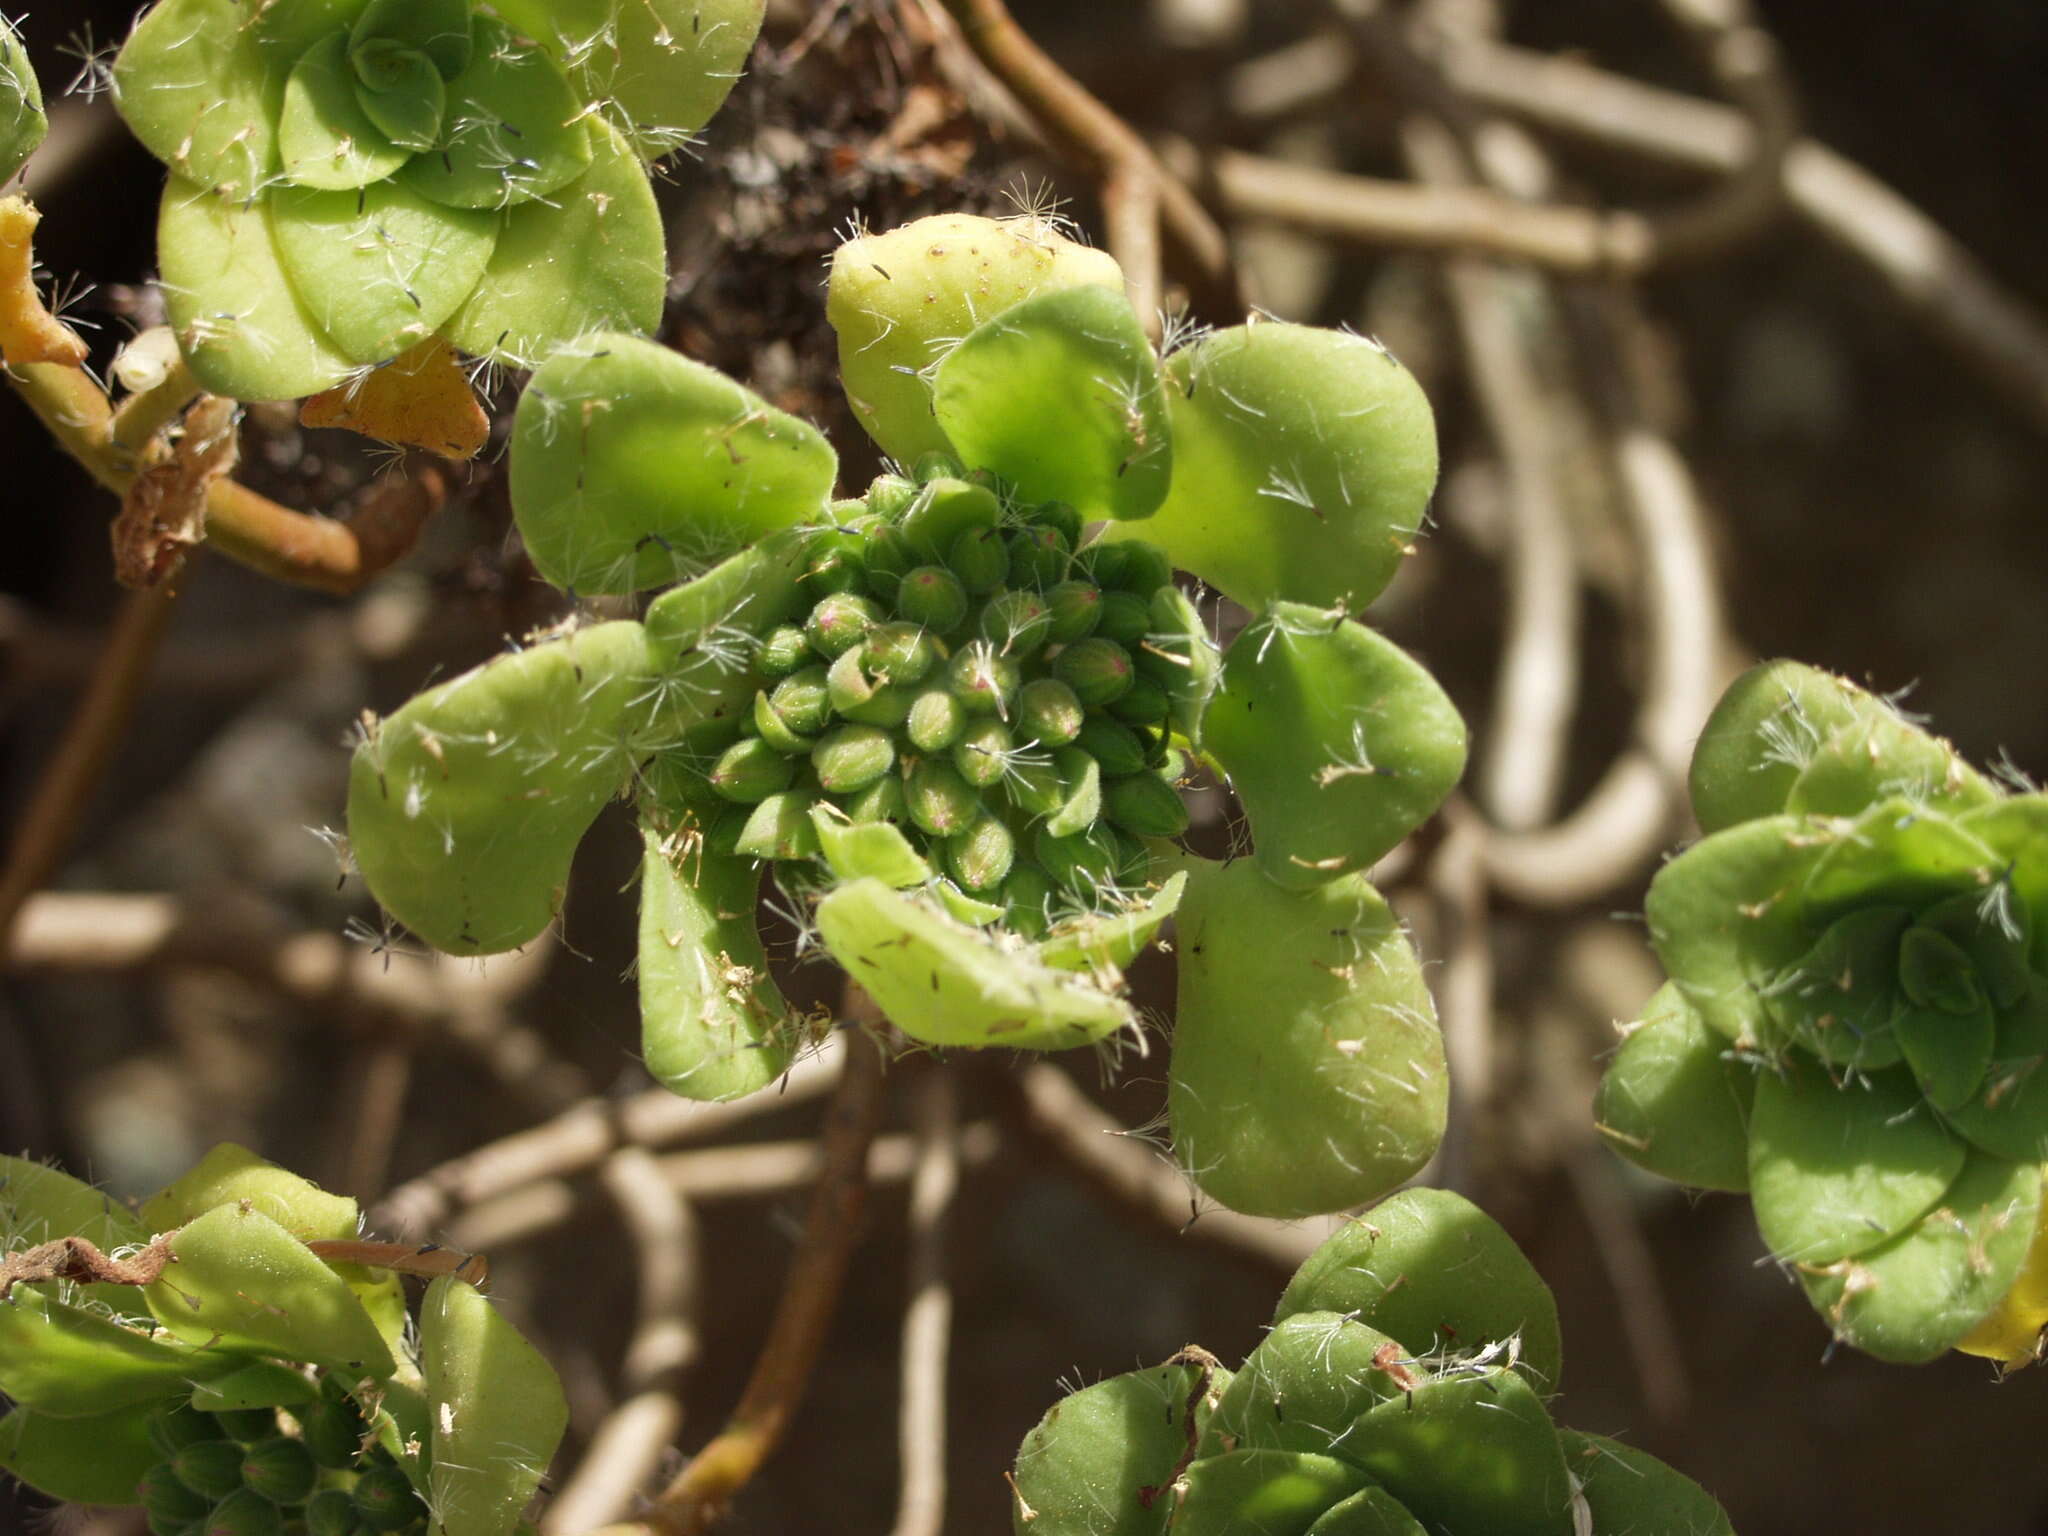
[2007,1115]
[401,93]
[1109,941]
[440,29]
[379,268]
[497,1412]
[1910,1299]
[66,1362]
[1276,1493]
[1724,917]
[96,1460]
[1895,852]
[1767,726]
[466,806]
[256,1384]
[1835,1170]
[1060,396]
[1339,744]
[240,324]
[663,66]
[22,121]
[1307,1071]
[233,1174]
[1368,1512]
[1877,757]
[1837,1000]
[1304,460]
[876,849]
[2016,832]
[899,300]
[590,258]
[942,982]
[324,137]
[713,1022]
[1431,1269]
[1672,1102]
[1300,1390]
[1469,1453]
[239,1279]
[1081,1469]
[1632,1493]
[197,85]
[633,466]
[514,129]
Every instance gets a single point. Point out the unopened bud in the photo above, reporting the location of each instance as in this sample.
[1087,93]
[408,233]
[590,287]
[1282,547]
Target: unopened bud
[840,622]
[1144,805]
[1039,556]
[1016,623]
[833,563]
[851,757]
[784,649]
[938,799]
[982,679]
[1076,609]
[899,652]
[281,1469]
[983,752]
[1048,712]
[749,771]
[1112,744]
[244,1513]
[210,1467]
[932,596]
[980,559]
[1125,618]
[1098,670]
[936,720]
[981,856]
[1143,703]
[385,1499]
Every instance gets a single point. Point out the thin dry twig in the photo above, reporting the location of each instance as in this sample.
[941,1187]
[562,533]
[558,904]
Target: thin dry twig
[1457,883]
[577,1140]
[700,1496]
[71,775]
[1141,198]
[1936,282]
[1634,809]
[928,1319]
[627,1449]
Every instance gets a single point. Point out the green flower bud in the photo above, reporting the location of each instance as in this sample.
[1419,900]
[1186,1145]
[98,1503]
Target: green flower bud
[1039,556]
[980,857]
[900,653]
[945,509]
[244,1513]
[1116,747]
[835,563]
[1076,609]
[1105,564]
[1084,862]
[784,649]
[332,1430]
[938,799]
[1145,569]
[750,770]
[780,827]
[330,1512]
[1035,787]
[802,702]
[210,1467]
[1048,712]
[887,707]
[1029,894]
[1143,703]
[178,1425]
[932,596]
[166,1499]
[840,622]
[880,801]
[1062,516]
[248,1425]
[851,757]
[385,1499]
[280,1469]
[1016,623]
[936,720]
[1144,804]
[890,496]
[1098,670]
[983,680]
[982,753]
[936,464]
[1125,618]
[981,560]
[886,556]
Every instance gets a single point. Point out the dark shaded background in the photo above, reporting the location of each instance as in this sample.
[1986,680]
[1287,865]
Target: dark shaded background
[1877,510]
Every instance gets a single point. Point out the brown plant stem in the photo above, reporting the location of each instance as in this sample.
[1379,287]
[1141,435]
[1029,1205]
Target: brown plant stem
[700,1496]
[1141,198]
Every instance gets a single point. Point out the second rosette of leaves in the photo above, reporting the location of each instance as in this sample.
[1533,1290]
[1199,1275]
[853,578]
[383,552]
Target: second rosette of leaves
[954,729]
[239,1370]
[1399,1392]
[1857,1016]
[352,177]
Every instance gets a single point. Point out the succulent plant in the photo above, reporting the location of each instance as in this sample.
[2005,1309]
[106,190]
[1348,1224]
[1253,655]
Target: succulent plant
[1858,1006]
[22,123]
[232,1359]
[352,177]
[953,728]
[1400,1390]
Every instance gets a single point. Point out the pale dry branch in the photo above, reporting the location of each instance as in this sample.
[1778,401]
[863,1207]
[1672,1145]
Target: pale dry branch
[928,1318]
